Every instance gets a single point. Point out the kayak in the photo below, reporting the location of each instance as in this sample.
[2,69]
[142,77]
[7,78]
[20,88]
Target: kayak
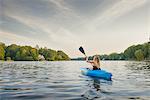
[96,73]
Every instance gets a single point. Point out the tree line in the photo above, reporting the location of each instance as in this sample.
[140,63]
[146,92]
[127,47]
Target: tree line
[28,53]
[135,52]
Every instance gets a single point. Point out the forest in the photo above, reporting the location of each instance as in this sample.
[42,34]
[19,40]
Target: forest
[15,52]
[138,52]
[27,53]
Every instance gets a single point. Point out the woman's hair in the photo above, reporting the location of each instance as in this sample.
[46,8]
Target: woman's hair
[96,57]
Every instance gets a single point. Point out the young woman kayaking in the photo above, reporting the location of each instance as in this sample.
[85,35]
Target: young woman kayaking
[95,62]
[96,72]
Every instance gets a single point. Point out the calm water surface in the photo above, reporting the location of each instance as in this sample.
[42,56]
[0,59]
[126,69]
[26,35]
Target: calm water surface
[63,80]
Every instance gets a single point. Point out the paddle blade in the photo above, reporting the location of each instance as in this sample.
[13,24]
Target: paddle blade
[82,50]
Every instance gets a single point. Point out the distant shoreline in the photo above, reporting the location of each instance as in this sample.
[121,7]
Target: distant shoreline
[15,52]
[139,52]
[67,60]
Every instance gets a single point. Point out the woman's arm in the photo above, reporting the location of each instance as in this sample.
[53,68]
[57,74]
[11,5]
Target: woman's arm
[89,61]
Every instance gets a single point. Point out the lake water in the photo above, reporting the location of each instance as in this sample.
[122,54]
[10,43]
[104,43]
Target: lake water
[63,80]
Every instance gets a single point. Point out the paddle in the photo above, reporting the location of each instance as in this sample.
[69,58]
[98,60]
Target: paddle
[82,50]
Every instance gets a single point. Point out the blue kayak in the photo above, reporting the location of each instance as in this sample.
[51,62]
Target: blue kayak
[96,73]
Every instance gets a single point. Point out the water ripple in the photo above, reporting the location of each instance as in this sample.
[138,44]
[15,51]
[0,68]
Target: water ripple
[63,80]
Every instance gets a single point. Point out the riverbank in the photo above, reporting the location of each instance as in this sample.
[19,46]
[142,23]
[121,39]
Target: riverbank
[27,53]
[139,52]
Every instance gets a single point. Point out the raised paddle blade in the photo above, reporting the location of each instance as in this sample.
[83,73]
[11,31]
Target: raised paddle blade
[82,50]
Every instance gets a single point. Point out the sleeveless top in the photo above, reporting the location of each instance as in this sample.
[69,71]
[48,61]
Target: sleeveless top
[95,68]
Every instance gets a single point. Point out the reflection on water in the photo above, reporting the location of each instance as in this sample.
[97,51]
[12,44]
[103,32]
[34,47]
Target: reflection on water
[96,84]
[94,88]
[63,80]
[138,65]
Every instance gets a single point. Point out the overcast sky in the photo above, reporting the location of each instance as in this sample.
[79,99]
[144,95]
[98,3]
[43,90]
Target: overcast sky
[100,26]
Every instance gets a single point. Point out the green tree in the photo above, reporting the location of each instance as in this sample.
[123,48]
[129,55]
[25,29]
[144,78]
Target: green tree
[11,51]
[122,56]
[48,54]
[27,53]
[21,54]
[148,54]
[62,56]
[129,53]
[146,50]
[34,53]
[3,45]
[114,56]
[52,55]
[104,57]
[41,51]
[139,55]
[2,53]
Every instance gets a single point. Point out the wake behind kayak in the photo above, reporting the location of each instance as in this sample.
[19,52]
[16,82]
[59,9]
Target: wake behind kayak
[96,73]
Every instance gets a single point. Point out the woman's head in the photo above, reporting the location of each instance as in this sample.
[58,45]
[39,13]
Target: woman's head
[96,58]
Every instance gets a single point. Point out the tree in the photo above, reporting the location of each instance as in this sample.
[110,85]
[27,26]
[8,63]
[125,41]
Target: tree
[148,54]
[3,45]
[52,55]
[122,56]
[104,57]
[34,53]
[2,53]
[113,56]
[48,54]
[11,51]
[61,56]
[129,53]
[146,50]
[27,53]
[139,55]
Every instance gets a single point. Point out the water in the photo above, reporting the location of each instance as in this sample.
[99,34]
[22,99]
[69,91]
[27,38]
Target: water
[63,80]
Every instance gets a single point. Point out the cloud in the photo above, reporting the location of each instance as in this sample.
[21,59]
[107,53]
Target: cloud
[39,27]
[118,9]
[62,23]
[13,38]
[63,7]
[113,12]
[41,15]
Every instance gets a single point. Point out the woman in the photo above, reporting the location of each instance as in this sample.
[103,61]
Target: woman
[95,62]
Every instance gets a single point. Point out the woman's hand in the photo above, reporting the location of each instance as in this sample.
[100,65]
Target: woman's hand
[86,58]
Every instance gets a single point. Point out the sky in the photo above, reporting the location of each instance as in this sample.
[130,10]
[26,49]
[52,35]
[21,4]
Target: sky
[100,26]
